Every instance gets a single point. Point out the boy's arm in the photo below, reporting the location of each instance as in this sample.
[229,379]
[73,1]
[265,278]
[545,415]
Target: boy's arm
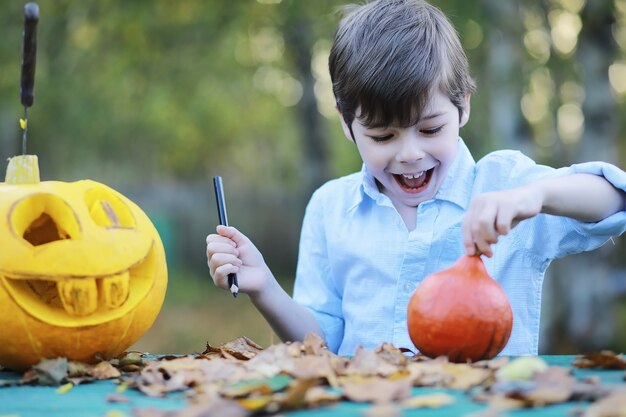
[230,251]
[290,320]
[585,197]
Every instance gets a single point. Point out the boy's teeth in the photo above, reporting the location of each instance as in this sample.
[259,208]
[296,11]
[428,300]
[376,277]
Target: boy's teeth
[411,176]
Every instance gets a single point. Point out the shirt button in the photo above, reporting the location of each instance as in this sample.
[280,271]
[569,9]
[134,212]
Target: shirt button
[409,287]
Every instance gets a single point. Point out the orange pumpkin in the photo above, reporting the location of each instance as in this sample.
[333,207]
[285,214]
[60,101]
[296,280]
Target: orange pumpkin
[82,269]
[460,312]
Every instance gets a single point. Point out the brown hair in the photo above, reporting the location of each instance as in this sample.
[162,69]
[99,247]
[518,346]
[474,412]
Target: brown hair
[387,58]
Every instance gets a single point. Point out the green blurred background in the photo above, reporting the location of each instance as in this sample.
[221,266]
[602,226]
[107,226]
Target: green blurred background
[154,98]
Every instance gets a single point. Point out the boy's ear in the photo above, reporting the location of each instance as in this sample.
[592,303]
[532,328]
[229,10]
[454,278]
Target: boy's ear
[466,111]
[344,126]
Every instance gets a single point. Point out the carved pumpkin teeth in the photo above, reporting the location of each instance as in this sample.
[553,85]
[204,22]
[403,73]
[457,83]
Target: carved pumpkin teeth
[115,289]
[78,296]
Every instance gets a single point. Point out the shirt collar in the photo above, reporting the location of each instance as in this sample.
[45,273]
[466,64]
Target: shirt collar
[456,187]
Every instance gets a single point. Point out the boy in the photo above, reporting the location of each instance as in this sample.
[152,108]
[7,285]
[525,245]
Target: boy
[402,85]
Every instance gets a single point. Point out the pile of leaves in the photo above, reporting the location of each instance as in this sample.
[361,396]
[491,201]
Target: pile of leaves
[240,378]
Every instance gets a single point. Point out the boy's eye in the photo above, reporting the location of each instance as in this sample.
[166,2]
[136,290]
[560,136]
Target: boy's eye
[381,138]
[432,131]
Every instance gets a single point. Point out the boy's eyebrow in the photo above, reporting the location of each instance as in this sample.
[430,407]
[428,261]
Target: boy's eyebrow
[431,116]
[427,117]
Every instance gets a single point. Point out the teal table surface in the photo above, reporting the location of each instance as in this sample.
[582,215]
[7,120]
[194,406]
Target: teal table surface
[91,400]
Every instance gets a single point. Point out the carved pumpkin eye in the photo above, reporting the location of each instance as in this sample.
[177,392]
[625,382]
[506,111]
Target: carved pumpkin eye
[107,209]
[44,218]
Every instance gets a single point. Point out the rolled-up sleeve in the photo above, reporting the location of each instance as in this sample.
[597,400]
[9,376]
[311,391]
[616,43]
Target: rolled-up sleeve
[615,224]
[574,236]
[314,287]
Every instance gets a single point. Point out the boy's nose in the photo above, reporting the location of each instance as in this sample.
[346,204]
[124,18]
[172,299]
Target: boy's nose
[410,150]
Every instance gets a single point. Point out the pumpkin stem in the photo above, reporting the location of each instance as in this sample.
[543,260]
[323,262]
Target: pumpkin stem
[473,266]
[22,169]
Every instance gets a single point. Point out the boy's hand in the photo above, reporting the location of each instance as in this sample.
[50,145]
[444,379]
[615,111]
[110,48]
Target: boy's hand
[230,251]
[493,214]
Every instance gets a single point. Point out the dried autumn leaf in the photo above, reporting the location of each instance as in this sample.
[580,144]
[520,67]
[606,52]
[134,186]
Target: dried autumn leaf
[522,368]
[295,396]
[367,362]
[314,345]
[29,377]
[240,348]
[318,395]
[264,386]
[465,376]
[383,410]
[217,407]
[130,359]
[552,386]
[613,405]
[272,361]
[500,402]
[314,367]
[159,378]
[51,371]
[78,369]
[428,401]
[399,374]
[64,389]
[589,389]
[495,363]
[377,390]
[391,354]
[441,373]
[488,412]
[104,370]
[116,413]
[256,403]
[604,359]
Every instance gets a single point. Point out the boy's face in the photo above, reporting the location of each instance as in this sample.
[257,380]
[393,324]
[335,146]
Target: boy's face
[411,163]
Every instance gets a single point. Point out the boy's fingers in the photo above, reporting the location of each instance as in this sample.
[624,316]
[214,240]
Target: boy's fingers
[226,258]
[220,276]
[484,227]
[217,238]
[484,248]
[220,259]
[479,230]
[221,247]
[504,220]
[233,234]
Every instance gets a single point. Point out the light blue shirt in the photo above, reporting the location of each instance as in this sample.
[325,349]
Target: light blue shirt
[358,264]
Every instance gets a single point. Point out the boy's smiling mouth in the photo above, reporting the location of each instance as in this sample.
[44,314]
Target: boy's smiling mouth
[414,182]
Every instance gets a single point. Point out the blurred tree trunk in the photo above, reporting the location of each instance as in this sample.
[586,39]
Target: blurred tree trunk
[504,75]
[579,305]
[299,47]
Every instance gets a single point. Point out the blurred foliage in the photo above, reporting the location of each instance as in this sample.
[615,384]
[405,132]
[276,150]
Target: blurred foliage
[156,97]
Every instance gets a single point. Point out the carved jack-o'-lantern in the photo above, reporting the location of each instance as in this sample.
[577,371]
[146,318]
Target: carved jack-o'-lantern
[82,269]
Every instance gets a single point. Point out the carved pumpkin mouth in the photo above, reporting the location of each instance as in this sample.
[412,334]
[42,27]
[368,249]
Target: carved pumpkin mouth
[84,300]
